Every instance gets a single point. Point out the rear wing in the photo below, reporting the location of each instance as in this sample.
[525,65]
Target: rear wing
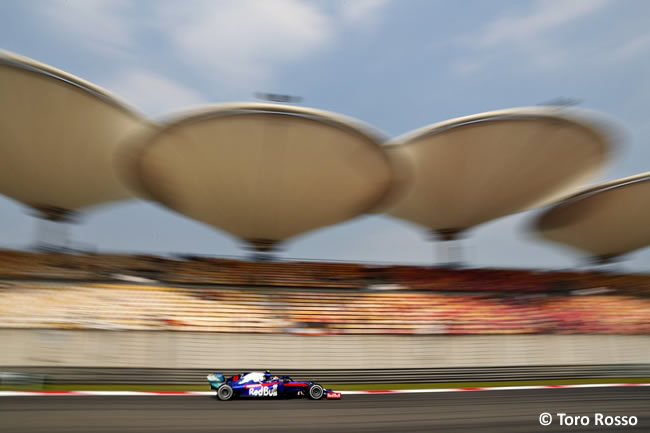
[216,377]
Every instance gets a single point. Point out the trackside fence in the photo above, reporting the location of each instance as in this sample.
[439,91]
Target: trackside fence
[89,375]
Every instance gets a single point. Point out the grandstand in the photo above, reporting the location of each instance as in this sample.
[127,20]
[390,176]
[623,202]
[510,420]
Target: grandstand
[225,295]
[243,273]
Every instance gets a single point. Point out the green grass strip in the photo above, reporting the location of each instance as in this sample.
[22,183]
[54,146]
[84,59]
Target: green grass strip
[338,387]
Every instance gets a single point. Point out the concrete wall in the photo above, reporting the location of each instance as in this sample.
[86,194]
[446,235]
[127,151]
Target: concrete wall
[233,351]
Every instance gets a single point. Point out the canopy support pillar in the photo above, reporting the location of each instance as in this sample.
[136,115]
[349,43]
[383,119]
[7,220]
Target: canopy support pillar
[52,227]
[262,249]
[448,248]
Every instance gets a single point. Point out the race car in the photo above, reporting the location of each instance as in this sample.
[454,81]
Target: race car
[257,384]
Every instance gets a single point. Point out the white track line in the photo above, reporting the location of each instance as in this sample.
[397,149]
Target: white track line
[378,392]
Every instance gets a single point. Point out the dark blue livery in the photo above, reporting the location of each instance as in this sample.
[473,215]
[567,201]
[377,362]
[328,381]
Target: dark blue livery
[256,384]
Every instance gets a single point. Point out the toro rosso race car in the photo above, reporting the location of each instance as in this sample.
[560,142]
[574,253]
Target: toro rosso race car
[257,384]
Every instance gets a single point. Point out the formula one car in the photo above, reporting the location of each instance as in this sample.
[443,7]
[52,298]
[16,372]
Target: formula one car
[259,384]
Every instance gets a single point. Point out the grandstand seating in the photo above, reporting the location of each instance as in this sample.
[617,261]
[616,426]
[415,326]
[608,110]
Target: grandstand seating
[55,290]
[121,306]
[241,273]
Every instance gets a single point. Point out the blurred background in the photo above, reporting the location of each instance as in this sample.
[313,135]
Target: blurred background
[372,209]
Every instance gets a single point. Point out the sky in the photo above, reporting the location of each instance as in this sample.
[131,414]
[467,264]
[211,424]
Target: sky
[397,65]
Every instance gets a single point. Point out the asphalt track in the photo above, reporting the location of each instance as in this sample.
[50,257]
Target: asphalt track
[479,411]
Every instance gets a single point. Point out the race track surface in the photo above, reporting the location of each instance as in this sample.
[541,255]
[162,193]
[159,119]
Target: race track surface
[480,411]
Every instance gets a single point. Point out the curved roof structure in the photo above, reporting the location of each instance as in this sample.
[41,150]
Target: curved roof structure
[605,221]
[463,172]
[262,172]
[58,135]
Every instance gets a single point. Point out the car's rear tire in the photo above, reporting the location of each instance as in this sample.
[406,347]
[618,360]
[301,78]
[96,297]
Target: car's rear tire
[315,392]
[225,392]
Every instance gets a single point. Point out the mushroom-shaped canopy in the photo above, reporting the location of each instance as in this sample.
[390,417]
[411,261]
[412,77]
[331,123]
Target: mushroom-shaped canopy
[605,221]
[262,172]
[58,134]
[463,172]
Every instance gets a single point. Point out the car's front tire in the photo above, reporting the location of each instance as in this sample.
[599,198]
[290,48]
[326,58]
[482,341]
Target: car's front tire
[225,392]
[315,392]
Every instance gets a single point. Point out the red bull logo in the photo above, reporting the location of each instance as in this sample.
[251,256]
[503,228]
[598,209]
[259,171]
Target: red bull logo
[264,391]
